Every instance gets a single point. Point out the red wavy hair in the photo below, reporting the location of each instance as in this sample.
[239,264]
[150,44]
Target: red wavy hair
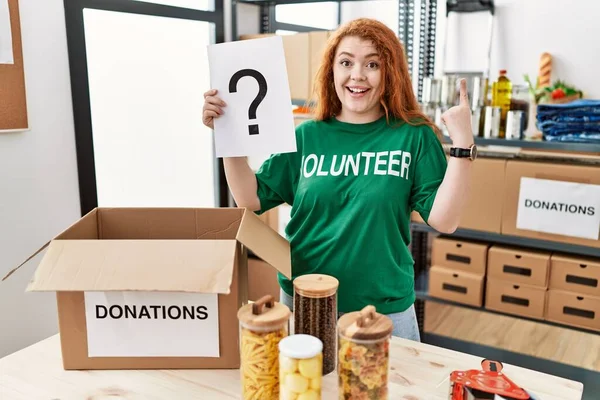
[397,98]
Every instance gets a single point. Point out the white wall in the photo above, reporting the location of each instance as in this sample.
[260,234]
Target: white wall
[523,30]
[39,194]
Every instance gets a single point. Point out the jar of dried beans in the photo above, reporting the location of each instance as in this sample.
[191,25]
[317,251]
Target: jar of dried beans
[262,326]
[300,367]
[363,355]
[315,313]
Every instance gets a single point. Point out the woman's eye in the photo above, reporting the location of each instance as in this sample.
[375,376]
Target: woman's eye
[373,65]
[345,63]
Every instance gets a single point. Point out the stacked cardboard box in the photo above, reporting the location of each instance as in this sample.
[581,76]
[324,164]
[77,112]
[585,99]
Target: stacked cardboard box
[517,281]
[574,293]
[458,270]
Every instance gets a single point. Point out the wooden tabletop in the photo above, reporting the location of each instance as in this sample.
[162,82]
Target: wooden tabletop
[418,372]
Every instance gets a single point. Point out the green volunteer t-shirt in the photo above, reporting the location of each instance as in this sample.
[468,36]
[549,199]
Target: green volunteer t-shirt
[351,188]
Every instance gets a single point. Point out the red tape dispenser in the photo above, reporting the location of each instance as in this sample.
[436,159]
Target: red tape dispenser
[485,384]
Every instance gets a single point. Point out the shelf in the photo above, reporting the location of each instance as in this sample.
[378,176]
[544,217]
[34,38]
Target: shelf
[279,2]
[536,144]
[514,240]
[300,102]
[423,295]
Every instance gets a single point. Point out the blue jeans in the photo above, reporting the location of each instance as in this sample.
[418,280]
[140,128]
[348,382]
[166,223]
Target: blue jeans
[405,322]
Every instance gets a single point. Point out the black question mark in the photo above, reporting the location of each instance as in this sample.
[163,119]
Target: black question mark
[262,91]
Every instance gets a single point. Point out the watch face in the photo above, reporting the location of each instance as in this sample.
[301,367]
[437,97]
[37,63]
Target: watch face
[473,152]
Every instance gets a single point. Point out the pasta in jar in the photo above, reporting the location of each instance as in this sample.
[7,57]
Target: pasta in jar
[262,326]
[363,355]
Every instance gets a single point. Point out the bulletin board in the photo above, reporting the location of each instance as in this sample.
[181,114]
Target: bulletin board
[13,103]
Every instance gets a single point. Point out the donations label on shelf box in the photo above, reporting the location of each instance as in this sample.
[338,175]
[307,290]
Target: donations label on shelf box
[564,208]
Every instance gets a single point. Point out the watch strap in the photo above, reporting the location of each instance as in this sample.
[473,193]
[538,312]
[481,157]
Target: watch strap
[460,152]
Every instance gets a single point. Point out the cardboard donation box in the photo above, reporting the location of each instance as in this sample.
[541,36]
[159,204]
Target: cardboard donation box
[553,202]
[155,288]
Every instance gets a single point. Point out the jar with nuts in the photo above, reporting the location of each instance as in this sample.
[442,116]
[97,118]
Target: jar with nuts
[316,312]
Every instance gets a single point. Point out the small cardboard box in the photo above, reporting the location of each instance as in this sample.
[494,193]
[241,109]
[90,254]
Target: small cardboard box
[459,255]
[573,309]
[458,286]
[519,266]
[483,209]
[318,42]
[155,287]
[513,298]
[542,203]
[297,60]
[575,274]
[262,280]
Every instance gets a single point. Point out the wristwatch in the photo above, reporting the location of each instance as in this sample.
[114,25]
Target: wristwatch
[470,152]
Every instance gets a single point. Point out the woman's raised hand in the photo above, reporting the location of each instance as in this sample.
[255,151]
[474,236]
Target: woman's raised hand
[213,108]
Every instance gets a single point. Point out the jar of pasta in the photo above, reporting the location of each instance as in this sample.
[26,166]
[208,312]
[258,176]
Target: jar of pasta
[262,326]
[315,312]
[363,354]
[300,367]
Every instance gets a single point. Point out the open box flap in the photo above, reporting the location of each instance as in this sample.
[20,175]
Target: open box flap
[265,243]
[147,265]
[85,228]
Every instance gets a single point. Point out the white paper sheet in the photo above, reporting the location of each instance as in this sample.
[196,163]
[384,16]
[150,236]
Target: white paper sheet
[274,130]
[562,208]
[6,48]
[152,324]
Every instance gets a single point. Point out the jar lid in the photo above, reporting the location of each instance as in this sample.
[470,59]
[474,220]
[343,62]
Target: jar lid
[264,312]
[300,346]
[366,324]
[316,285]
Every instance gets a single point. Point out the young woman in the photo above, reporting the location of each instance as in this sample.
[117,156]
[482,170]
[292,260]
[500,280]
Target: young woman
[367,159]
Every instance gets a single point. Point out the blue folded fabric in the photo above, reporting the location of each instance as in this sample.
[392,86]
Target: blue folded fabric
[593,124]
[577,138]
[570,130]
[576,104]
[570,118]
[577,121]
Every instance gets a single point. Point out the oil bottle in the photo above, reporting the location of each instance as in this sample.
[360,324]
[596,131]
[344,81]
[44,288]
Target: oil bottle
[501,95]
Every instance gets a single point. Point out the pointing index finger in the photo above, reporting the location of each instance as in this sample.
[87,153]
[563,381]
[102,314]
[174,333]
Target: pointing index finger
[464,95]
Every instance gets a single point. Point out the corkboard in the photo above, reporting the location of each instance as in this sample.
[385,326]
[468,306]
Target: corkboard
[13,104]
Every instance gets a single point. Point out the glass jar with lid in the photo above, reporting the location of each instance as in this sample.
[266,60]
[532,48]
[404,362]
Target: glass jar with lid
[315,313]
[521,101]
[262,325]
[300,367]
[363,354]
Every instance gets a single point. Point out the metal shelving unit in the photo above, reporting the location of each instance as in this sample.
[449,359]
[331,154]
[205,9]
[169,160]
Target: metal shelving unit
[420,250]
[268,22]
[422,292]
